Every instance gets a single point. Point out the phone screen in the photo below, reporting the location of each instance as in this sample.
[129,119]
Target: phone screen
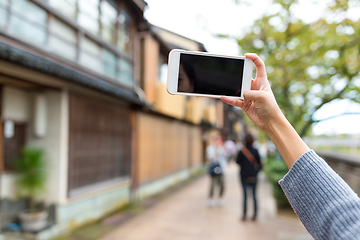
[210,75]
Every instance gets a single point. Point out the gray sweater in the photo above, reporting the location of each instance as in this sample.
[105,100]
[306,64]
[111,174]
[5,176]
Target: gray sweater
[324,202]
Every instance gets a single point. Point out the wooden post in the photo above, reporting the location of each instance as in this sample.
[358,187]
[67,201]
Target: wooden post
[134,156]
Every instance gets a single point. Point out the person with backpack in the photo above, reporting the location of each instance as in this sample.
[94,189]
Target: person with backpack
[248,159]
[217,157]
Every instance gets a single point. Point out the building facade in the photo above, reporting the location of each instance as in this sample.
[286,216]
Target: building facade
[83,80]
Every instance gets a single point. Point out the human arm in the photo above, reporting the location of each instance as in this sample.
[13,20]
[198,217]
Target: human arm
[258,160]
[325,204]
[260,105]
[323,201]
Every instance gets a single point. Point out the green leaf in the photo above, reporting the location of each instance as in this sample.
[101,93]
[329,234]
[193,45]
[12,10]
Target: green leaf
[31,174]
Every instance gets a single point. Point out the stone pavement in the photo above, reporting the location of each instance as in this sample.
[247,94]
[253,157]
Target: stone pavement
[184,216]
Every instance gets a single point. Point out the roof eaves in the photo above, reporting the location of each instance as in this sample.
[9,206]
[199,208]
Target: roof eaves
[154,29]
[34,62]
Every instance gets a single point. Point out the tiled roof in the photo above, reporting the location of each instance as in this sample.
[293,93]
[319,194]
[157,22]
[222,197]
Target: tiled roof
[28,60]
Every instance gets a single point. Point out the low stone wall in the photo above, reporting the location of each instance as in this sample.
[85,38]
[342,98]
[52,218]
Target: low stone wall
[162,184]
[347,166]
[87,209]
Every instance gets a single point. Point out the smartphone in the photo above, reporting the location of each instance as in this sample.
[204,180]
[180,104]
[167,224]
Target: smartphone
[208,75]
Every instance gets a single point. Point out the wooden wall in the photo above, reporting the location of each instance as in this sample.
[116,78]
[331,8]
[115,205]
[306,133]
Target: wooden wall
[196,146]
[99,142]
[151,52]
[165,146]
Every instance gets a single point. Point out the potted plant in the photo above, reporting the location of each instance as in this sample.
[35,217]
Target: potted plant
[30,182]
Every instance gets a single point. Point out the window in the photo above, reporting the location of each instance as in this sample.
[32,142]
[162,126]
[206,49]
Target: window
[62,39]
[100,17]
[109,63]
[67,7]
[88,16]
[30,11]
[108,20]
[99,144]
[3,12]
[29,21]
[13,144]
[3,17]
[125,74]
[124,36]
[90,55]
[117,68]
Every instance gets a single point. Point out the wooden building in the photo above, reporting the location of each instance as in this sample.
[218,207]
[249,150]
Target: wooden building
[84,81]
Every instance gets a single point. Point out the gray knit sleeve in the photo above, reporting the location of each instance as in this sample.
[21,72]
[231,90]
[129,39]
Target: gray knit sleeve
[324,202]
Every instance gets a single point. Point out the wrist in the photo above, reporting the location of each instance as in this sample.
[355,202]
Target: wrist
[286,139]
[276,123]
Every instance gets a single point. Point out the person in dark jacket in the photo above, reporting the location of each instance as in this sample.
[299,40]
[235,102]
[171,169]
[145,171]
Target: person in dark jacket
[249,160]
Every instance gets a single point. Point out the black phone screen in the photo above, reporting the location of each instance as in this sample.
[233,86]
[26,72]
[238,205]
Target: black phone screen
[210,75]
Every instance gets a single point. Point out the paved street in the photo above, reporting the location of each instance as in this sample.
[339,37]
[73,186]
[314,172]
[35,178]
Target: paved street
[184,216]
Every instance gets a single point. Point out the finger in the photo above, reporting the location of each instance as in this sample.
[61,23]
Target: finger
[260,65]
[237,102]
[252,95]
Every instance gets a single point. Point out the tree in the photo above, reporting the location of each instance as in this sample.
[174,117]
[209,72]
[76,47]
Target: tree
[308,65]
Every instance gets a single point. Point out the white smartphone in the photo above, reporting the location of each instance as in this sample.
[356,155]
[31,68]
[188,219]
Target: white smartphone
[208,75]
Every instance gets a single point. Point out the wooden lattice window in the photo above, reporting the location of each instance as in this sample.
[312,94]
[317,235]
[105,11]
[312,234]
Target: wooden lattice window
[99,144]
[12,146]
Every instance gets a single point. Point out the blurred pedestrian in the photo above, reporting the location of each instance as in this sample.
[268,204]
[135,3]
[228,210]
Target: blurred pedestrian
[217,156]
[231,149]
[249,160]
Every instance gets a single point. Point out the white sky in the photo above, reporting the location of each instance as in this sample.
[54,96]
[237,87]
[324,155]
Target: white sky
[201,19]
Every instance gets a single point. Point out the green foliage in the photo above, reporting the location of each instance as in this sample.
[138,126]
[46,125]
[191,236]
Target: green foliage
[275,169]
[31,175]
[308,65]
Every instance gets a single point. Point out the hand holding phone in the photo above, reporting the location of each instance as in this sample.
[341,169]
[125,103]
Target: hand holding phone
[259,103]
[208,75]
